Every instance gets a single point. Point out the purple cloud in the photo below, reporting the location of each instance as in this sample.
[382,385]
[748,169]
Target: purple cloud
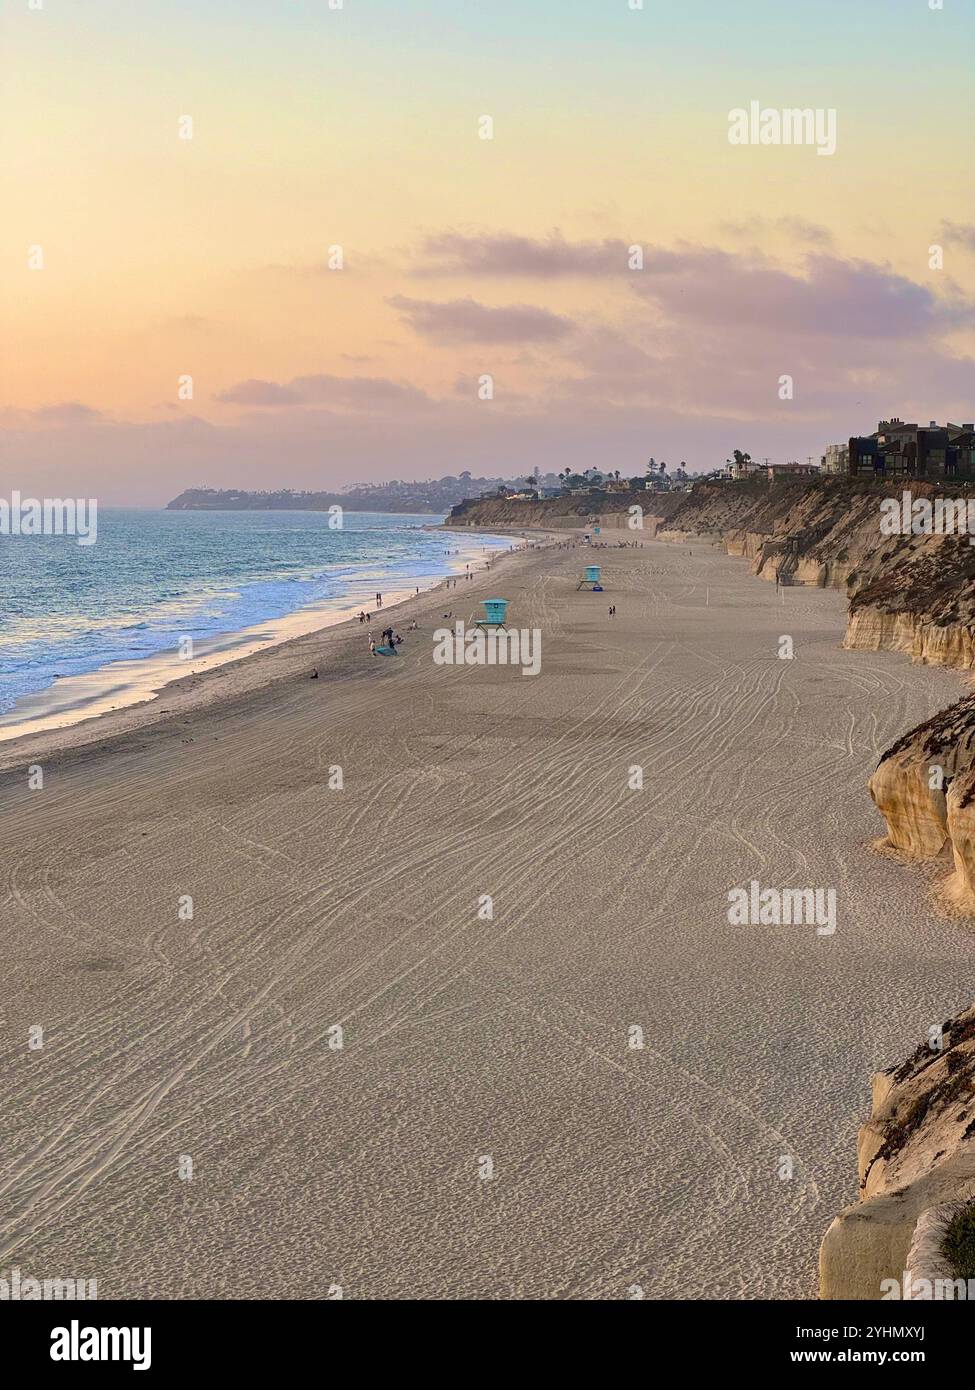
[467,321]
[835,297]
[502,254]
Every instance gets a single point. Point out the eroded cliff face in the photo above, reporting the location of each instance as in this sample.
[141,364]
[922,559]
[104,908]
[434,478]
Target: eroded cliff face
[568,511]
[917,776]
[959,891]
[914,1154]
[924,786]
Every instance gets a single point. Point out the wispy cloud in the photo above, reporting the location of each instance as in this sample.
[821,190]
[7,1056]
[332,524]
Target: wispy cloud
[357,393]
[254,391]
[959,233]
[64,414]
[504,254]
[794,229]
[467,321]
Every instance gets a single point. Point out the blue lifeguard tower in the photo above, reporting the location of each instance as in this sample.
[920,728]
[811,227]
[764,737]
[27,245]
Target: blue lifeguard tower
[590,580]
[494,612]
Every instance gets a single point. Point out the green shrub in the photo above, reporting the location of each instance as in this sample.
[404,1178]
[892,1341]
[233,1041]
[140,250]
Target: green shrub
[959,1245]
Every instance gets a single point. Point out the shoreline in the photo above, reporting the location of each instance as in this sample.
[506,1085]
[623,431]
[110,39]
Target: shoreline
[243,662]
[122,684]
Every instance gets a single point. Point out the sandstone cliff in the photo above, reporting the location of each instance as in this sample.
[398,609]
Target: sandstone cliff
[916,1161]
[917,776]
[556,512]
[924,786]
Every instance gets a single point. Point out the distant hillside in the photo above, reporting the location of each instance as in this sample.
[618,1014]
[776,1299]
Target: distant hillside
[199,499]
[426,495]
[429,495]
[569,509]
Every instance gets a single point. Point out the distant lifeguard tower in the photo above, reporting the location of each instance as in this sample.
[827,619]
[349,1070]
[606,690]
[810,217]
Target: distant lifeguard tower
[590,580]
[494,613]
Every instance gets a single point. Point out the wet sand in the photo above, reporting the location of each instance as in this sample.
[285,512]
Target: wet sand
[466,1039]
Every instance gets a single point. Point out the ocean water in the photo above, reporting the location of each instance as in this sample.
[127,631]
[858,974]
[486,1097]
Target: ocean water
[153,577]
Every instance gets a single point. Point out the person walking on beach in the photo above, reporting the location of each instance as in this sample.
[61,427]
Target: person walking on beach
[372,645]
[379,600]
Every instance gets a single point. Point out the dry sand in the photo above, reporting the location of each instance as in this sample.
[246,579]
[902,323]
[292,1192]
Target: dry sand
[466,1038]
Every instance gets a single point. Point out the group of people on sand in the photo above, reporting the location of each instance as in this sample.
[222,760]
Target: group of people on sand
[389,638]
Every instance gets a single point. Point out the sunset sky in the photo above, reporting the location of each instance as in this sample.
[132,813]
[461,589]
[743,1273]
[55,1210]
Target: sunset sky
[358,127]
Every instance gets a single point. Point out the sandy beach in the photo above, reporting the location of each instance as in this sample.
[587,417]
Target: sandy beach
[487,1129]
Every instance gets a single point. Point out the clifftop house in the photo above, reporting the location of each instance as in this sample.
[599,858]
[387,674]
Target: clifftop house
[900,450]
[836,459]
